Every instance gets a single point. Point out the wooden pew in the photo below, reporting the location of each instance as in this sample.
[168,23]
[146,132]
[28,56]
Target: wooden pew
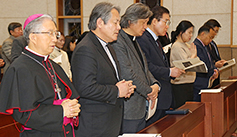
[7,127]
[214,116]
[221,110]
[189,125]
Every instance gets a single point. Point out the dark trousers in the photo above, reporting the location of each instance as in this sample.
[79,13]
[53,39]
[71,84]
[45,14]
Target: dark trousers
[133,126]
[182,93]
[158,115]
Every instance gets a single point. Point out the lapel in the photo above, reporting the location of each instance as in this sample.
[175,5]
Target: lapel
[129,44]
[215,50]
[155,46]
[115,60]
[203,50]
[103,53]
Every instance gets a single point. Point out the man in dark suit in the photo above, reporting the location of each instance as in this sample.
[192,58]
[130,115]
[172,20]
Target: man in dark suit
[157,60]
[18,46]
[95,74]
[134,67]
[205,36]
[213,49]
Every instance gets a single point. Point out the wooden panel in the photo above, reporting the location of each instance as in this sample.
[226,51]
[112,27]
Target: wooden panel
[9,131]
[7,127]
[208,120]
[60,16]
[5,120]
[197,131]
[223,109]
[61,25]
[178,125]
[231,110]
[59,7]
[217,101]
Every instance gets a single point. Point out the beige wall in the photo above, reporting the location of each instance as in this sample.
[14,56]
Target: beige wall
[19,10]
[89,4]
[198,12]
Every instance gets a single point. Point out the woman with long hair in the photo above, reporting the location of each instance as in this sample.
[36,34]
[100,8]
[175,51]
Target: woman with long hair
[182,86]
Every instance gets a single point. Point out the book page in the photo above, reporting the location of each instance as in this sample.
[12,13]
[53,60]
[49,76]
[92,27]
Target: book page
[229,64]
[191,64]
[150,111]
[210,91]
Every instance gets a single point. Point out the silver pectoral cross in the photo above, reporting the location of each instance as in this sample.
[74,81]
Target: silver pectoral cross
[58,90]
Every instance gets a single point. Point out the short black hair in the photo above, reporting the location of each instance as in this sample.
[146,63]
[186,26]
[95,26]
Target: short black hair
[12,26]
[204,28]
[158,12]
[213,23]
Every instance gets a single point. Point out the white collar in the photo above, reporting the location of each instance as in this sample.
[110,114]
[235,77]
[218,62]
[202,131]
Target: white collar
[45,57]
[152,33]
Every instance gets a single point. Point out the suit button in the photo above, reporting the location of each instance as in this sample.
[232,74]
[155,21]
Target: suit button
[121,106]
[107,101]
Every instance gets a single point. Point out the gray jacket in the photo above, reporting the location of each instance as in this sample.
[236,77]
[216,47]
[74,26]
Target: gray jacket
[133,69]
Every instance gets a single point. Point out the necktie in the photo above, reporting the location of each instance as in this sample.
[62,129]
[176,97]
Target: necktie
[161,50]
[209,57]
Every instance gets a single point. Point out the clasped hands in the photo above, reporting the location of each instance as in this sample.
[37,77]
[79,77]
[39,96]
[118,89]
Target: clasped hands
[126,88]
[71,108]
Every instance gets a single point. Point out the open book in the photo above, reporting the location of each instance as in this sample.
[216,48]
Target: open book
[210,91]
[210,82]
[191,64]
[228,64]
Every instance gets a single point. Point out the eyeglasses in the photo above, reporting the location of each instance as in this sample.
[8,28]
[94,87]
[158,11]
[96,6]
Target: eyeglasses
[50,33]
[167,22]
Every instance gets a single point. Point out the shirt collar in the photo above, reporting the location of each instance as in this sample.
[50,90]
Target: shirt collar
[201,42]
[133,38]
[152,34]
[45,57]
[103,43]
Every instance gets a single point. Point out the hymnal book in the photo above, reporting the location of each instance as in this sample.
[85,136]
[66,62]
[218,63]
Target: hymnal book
[177,112]
[191,64]
[210,82]
[228,64]
[150,111]
[210,90]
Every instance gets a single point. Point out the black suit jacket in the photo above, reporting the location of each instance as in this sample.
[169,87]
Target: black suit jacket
[215,56]
[202,79]
[94,78]
[18,46]
[158,67]
[214,52]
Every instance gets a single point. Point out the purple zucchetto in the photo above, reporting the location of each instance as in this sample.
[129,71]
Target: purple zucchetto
[30,18]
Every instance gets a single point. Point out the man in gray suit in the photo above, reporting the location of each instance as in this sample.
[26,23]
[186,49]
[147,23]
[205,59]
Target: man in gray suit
[96,76]
[134,67]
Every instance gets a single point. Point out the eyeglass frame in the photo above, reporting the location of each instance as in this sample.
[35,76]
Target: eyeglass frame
[50,33]
[167,22]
